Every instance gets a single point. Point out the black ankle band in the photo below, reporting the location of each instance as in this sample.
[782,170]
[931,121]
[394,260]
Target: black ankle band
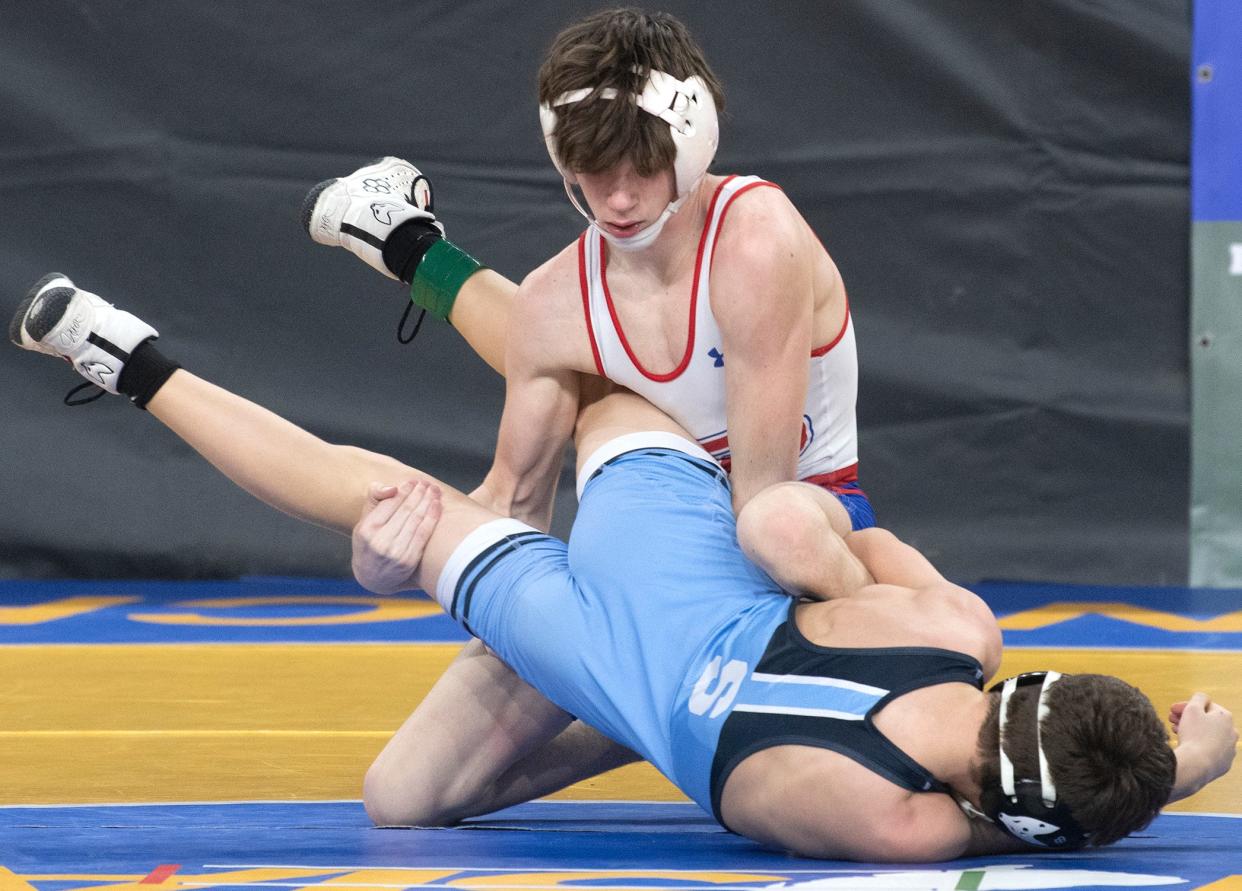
[405,246]
[146,370]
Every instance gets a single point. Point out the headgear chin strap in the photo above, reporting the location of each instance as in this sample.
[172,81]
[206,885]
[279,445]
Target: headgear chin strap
[1028,809]
[690,112]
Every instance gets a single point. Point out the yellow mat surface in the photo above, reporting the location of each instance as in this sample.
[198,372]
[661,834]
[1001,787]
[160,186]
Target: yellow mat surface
[230,722]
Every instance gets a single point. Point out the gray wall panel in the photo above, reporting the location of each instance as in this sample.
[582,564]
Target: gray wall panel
[1002,185]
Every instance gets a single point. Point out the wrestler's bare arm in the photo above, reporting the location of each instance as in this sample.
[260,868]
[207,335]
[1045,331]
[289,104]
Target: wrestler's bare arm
[541,396]
[762,298]
[781,797]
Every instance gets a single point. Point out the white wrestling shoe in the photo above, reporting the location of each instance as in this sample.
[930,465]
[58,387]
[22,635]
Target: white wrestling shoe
[359,211]
[82,328]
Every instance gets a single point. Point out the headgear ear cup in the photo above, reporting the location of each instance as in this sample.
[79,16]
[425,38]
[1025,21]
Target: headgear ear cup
[689,110]
[547,121]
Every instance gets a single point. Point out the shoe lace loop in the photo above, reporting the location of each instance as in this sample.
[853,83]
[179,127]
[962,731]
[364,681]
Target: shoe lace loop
[405,317]
[100,392]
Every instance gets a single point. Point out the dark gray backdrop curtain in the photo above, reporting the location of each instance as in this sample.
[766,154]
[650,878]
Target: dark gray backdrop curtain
[1003,185]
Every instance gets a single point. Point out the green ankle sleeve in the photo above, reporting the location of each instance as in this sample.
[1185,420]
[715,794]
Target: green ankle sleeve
[440,275]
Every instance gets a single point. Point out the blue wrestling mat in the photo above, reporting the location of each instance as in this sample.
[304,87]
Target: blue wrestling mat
[543,845]
[1068,616]
[250,610]
[291,610]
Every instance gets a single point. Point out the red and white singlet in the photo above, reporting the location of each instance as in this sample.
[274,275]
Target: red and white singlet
[693,393]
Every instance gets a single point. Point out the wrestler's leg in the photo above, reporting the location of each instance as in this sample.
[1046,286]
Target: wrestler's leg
[293,470]
[481,315]
[448,762]
[482,739]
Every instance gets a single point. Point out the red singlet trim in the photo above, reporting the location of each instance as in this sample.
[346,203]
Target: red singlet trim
[584,285]
[833,480]
[694,299]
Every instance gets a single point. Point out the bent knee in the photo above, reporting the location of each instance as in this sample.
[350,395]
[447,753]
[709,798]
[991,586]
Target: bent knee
[785,518]
[403,800]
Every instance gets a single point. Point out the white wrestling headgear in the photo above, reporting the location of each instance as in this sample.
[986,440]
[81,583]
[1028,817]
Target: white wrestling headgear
[690,112]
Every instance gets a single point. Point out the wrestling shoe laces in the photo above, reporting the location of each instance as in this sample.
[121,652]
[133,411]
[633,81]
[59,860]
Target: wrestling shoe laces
[59,319]
[358,212]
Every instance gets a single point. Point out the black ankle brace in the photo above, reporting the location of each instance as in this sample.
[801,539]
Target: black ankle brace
[146,370]
[405,246]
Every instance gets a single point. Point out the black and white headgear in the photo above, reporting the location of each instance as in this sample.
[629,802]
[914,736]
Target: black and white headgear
[1028,808]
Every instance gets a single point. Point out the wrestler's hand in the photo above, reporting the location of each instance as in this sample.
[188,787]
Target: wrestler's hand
[389,538]
[1207,742]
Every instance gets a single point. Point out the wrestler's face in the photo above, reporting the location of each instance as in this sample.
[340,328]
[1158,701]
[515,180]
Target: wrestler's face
[624,203]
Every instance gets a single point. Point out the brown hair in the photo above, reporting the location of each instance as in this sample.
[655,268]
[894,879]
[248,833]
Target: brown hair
[1107,751]
[618,48]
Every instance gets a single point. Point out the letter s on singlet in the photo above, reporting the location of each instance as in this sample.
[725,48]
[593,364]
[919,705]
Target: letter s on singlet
[724,686]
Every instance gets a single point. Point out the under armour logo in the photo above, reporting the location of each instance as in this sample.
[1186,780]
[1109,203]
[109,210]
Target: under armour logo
[718,356]
[96,371]
[383,211]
